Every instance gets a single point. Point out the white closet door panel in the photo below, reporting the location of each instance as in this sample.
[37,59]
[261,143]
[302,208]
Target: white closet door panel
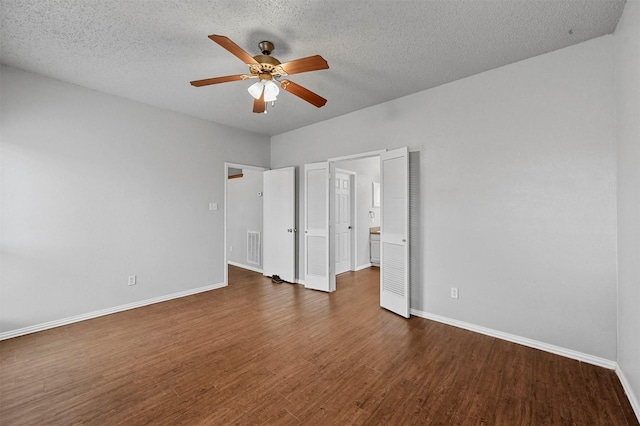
[394,231]
[319,200]
[279,187]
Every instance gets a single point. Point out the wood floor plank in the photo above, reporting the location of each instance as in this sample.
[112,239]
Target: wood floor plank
[257,352]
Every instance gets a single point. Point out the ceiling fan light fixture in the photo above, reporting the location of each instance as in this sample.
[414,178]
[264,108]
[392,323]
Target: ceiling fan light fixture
[266,69]
[271,91]
[256,89]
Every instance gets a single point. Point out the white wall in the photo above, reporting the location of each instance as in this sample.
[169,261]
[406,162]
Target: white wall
[244,213]
[627,78]
[517,189]
[96,188]
[367,171]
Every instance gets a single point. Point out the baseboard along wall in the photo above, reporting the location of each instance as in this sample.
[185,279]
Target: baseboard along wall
[243,266]
[103,312]
[633,398]
[568,353]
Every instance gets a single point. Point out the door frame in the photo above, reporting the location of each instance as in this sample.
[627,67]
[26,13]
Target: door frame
[227,166]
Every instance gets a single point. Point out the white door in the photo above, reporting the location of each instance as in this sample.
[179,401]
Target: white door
[319,260]
[279,236]
[343,228]
[394,231]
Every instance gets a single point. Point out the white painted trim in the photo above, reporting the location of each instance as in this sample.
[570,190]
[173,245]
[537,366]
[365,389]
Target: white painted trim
[345,171]
[240,265]
[633,398]
[354,220]
[246,166]
[357,156]
[103,312]
[299,281]
[569,353]
[225,275]
[365,266]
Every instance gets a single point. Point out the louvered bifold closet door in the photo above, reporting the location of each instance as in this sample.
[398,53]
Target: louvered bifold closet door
[319,256]
[394,231]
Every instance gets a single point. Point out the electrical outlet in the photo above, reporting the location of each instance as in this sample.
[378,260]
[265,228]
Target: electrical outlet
[132,280]
[230,248]
[454,292]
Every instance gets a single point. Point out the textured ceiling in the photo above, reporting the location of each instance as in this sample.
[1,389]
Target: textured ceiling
[149,50]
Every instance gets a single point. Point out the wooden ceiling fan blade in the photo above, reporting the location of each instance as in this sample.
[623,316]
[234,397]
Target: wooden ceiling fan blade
[310,63]
[259,105]
[233,48]
[216,80]
[303,93]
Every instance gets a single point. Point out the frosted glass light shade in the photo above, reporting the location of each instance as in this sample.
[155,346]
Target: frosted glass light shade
[255,89]
[271,91]
[270,88]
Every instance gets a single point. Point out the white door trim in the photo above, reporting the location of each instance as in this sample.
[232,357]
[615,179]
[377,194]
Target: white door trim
[358,156]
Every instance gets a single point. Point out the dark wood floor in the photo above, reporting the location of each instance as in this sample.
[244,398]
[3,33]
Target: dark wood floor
[263,353]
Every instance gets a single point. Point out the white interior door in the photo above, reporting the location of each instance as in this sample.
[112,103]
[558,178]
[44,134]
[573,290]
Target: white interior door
[319,265]
[394,231]
[342,217]
[279,231]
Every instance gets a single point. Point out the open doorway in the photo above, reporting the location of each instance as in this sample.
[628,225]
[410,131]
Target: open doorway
[394,227]
[319,211]
[243,207]
[365,175]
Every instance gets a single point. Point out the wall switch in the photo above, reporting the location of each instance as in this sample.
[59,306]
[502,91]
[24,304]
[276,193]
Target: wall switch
[454,292]
[213,206]
[230,248]
[132,280]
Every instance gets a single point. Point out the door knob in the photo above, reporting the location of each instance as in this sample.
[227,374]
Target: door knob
[349,227]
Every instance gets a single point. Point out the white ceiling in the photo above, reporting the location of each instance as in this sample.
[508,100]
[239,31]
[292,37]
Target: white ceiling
[149,50]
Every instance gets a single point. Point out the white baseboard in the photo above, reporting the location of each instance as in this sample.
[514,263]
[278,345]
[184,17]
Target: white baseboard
[569,353]
[243,266]
[103,312]
[361,267]
[633,398]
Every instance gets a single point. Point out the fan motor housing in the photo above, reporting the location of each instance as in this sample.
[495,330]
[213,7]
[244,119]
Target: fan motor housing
[266,59]
[267,65]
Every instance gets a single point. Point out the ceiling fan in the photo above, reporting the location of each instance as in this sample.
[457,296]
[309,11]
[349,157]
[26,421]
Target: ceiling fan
[269,71]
